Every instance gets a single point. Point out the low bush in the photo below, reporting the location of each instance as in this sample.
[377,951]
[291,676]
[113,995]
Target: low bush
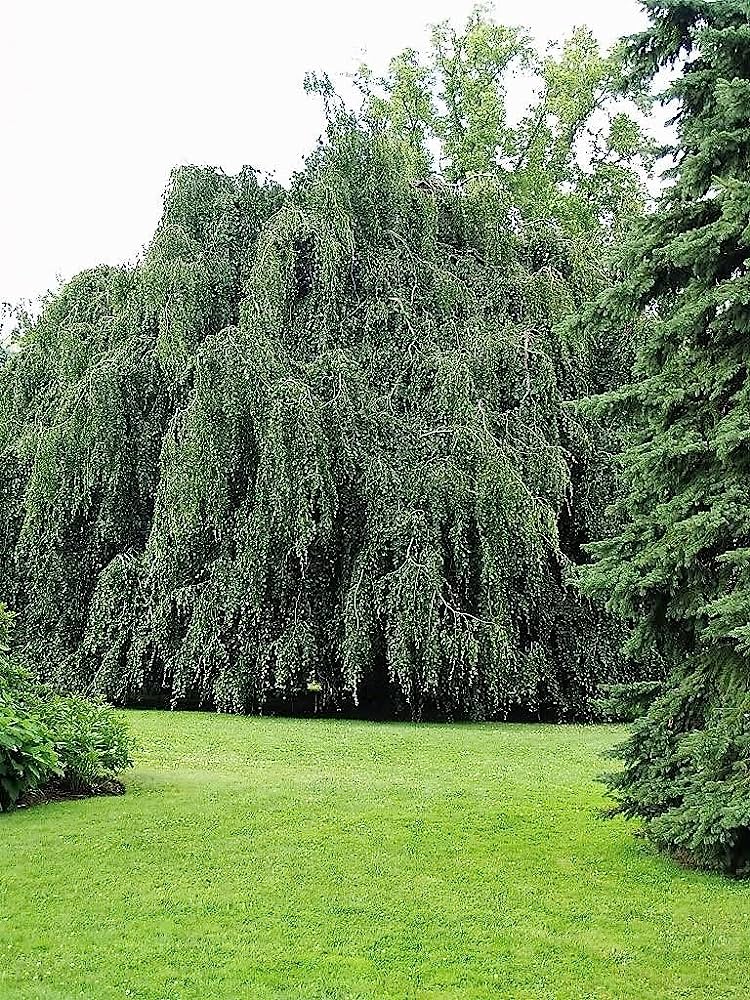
[90,739]
[27,756]
[75,743]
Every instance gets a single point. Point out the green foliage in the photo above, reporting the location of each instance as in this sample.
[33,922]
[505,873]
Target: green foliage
[320,436]
[687,772]
[6,624]
[576,155]
[680,567]
[628,702]
[17,686]
[27,755]
[90,740]
[78,742]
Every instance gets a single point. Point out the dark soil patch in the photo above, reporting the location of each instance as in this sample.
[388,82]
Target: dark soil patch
[61,791]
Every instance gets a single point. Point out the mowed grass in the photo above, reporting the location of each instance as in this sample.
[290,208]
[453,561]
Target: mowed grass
[271,858]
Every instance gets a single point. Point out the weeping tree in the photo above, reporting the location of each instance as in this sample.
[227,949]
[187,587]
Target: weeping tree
[317,438]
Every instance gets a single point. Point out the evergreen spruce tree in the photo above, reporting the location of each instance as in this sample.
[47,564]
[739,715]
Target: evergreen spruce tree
[679,567]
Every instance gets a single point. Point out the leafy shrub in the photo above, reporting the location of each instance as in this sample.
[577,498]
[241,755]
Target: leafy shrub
[90,739]
[80,743]
[27,755]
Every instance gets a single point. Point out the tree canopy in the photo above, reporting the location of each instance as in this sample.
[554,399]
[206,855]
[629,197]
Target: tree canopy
[318,436]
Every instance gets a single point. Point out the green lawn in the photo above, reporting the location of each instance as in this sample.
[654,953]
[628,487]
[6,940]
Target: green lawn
[329,859]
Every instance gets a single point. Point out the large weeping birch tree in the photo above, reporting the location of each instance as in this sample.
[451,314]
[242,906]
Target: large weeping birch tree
[317,439]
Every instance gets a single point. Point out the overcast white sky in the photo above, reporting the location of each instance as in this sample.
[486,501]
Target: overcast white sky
[100,98]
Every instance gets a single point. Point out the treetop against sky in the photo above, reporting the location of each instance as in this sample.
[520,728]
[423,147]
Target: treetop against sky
[102,100]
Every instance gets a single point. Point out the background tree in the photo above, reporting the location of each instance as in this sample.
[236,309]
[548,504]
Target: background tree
[680,567]
[318,436]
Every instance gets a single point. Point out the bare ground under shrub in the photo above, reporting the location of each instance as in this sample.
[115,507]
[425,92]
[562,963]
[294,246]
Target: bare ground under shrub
[62,791]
